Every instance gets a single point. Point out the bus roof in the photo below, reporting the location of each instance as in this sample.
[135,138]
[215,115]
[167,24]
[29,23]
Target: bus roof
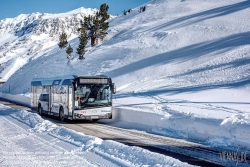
[60,80]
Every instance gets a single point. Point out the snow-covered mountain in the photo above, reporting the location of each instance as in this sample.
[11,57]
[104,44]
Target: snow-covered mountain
[28,36]
[181,67]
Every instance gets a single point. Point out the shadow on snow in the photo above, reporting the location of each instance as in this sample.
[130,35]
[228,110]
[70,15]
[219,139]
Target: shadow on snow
[209,14]
[186,53]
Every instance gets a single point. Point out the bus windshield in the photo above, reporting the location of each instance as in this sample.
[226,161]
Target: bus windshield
[92,95]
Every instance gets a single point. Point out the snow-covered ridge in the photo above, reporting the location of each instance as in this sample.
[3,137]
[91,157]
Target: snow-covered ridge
[22,38]
[24,23]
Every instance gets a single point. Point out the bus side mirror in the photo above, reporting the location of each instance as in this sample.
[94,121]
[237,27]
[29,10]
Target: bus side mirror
[113,88]
[74,85]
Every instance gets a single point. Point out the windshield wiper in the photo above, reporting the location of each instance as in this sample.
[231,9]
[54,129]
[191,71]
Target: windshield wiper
[97,104]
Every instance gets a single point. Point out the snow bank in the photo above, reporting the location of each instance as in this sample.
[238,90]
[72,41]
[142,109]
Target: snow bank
[121,154]
[232,131]
[17,98]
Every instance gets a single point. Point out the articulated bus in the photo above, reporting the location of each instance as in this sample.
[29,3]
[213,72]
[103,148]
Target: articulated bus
[73,97]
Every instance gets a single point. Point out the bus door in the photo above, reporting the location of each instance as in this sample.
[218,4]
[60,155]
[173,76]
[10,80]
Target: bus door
[50,99]
[33,97]
[70,100]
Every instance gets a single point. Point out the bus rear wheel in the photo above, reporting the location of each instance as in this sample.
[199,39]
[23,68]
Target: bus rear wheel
[61,114]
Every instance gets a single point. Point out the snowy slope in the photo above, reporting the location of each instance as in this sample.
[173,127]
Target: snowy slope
[181,67]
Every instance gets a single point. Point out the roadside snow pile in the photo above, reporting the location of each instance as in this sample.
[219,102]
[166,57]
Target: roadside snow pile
[234,131]
[236,125]
[18,98]
[237,119]
[231,132]
[119,154]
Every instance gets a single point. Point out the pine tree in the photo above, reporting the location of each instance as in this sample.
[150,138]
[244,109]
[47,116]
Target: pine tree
[89,25]
[124,12]
[83,38]
[97,25]
[103,17]
[62,40]
[69,51]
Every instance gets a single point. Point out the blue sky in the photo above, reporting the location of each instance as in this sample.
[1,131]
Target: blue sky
[12,8]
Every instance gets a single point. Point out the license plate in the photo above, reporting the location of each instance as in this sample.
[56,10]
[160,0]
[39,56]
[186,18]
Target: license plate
[94,117]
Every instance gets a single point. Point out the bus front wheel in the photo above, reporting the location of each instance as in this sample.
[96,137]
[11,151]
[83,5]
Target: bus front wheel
[61,114]
[40,110]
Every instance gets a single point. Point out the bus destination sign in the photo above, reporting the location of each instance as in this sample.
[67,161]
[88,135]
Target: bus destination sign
[93,81]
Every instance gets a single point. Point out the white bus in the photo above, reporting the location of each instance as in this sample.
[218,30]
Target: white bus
[73,97]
